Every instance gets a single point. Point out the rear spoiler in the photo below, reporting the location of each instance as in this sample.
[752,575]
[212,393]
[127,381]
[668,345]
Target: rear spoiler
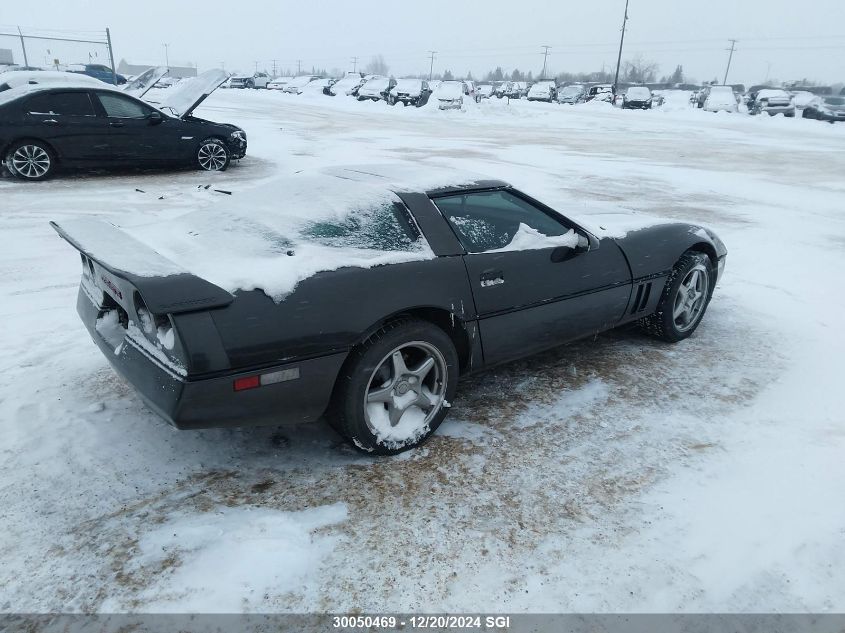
[164,286]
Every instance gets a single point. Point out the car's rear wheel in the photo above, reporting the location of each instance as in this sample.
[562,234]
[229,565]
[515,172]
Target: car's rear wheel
[684,300]
[213,155]
[30,160]
[250,83]
[395,389]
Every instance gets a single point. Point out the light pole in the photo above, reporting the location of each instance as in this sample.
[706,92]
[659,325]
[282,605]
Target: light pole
[431,66]
[621,42]
[166,56]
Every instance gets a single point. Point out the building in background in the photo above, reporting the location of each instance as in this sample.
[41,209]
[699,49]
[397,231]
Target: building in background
[180,72]
[7,58]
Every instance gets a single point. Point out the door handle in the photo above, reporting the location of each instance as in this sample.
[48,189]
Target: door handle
[116,124]
[50,121]
[492,278]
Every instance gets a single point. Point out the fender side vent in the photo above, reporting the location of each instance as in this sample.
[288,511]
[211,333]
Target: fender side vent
[641,300]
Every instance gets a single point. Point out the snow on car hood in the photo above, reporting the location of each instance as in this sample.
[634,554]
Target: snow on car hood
[277,237]
[139,86]
[449,90]
[618,225]
[189,93]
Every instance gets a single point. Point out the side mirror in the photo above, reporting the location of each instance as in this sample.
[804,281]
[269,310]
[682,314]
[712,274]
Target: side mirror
[155,118]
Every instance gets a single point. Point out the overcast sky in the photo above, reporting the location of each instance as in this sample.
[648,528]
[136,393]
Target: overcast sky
[784,39]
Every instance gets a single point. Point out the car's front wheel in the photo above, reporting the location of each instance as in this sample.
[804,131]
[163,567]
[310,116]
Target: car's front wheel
[395,389]
[30,160]
[684,300]
[213,155]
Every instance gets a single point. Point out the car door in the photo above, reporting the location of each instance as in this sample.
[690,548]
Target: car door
[67,119]
[133,135]
[538,280]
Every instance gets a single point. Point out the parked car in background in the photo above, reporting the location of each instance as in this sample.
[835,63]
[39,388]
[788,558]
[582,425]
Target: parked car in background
[600,92]
[637,98]
[772,101]
[254,80]
[450,95]
[802,98]
[830,109]
[278,83]
[503,89]
[701,96]
[657,98]
[519,89]
[45,127]
[97,71]
[348,85]
[318,86]
[295,85]
[483,91]
[721,99]
[543,91]
[470,86]
[166,82]
[410,92]
[377,350]
[572,94]
[376,89]
[433,84]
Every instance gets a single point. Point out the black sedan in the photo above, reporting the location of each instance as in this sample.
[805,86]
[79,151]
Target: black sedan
[433,278]
[48,126]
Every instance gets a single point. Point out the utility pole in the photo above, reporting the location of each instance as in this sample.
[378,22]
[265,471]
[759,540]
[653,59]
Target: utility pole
[111,57]
[256,66]
[23,47]
[274,68]
[431,66]
[768,72]
[354,64]
[298,67]
[545,56]
[730,57]
[166,56]
[621,42]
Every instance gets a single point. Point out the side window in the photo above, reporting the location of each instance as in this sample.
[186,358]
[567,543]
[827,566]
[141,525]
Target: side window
[490,220]
[387,227]
[61,103]
[117,105]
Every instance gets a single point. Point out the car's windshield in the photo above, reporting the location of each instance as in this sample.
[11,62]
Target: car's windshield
[572,90]
[450,90]
[638,92]
[408,85]
[300,81]
[772,94]
[377,84]
[838,101]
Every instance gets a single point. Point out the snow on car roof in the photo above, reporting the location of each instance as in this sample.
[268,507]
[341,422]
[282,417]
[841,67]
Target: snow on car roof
[12,94]
[15,78]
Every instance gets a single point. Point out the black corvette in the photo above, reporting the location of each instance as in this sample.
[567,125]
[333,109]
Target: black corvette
[47,126]
[464,273]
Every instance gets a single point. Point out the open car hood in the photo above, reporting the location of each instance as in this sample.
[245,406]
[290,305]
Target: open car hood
[139,86]
[189,93]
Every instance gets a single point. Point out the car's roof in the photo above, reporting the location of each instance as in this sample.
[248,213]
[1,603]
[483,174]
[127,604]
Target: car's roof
[13,94]
[412,178]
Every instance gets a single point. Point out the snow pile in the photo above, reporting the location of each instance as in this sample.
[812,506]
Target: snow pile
[234,553]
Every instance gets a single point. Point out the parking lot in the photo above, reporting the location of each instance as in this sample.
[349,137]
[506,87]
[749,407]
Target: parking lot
[558,483]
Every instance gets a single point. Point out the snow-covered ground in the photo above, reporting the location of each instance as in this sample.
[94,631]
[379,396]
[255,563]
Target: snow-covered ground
[617,474]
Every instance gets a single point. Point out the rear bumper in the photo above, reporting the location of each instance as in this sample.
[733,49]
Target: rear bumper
[187,402]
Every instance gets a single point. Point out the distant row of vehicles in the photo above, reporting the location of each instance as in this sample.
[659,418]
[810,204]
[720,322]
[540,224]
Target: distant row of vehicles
[772,101]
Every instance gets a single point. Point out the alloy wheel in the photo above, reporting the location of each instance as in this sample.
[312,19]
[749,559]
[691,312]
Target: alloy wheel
[212,157]
[691,298]
[30,161]
[406,390]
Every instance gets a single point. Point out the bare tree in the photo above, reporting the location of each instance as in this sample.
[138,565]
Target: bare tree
[377,66]
[639,70]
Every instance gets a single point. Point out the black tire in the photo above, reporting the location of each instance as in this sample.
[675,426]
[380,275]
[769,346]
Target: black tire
[347,413]
[212,155]
[30,160]
[663,323]
[249,83]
